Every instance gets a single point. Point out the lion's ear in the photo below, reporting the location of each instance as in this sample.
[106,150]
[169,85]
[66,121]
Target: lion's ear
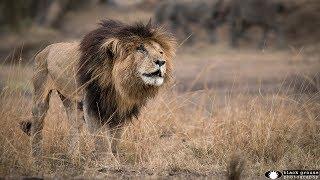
[150,25]
[113,45]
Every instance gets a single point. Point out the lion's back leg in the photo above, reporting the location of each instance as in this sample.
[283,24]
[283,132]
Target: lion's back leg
[39,111]
[41,97]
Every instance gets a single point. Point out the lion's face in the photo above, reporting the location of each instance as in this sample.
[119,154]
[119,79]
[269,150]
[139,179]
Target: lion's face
[145,66]
[151,63]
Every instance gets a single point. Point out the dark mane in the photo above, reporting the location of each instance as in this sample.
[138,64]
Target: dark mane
[101,98]
[116,29]
[126,32]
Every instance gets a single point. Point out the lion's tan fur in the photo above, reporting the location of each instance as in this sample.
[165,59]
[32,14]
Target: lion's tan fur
[62,66]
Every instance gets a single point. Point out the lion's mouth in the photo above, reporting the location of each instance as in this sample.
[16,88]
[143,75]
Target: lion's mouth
[155,78]
[157,73]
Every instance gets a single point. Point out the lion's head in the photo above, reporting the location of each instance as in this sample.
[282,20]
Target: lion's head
[142,56]
[152,63]
[146,62]
[130,62]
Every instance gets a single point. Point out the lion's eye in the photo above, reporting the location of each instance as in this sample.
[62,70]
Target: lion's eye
[161,52]
[141,48]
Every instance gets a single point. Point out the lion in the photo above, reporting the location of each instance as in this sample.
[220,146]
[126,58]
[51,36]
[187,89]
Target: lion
[103,80]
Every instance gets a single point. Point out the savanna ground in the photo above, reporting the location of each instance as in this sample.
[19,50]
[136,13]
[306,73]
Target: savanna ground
[256,109]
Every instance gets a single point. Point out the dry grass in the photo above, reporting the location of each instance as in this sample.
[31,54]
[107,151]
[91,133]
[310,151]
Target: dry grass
[175,136]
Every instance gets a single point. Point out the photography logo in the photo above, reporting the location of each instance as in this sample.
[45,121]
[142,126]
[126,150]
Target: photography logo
[301,174]
[273,174]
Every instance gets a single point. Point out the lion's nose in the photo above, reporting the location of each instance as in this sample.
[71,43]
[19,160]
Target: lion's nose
[160,62]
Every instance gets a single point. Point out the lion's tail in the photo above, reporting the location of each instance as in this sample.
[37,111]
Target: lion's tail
[235,167]
[25,126]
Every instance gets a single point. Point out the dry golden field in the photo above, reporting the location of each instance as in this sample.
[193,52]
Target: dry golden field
[230,112]
[183,132]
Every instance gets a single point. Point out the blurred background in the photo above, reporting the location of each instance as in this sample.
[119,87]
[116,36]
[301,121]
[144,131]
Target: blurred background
[251,40]
[291,22]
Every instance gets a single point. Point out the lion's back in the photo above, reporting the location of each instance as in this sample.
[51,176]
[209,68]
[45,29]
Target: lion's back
[62,62]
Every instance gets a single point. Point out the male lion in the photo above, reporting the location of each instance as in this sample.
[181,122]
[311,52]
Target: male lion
[105,79]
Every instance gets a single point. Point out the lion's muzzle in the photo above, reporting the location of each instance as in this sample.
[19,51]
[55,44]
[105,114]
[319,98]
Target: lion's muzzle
[155,78]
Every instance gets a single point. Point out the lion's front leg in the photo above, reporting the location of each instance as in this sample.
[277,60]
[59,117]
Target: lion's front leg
[74,112]
[93,122]
[106,139]
[97,130]
[115,137]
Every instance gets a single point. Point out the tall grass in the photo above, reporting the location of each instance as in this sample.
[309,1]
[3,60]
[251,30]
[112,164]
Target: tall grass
[190,133]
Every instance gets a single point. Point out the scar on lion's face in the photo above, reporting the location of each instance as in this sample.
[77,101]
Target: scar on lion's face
[151,62]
